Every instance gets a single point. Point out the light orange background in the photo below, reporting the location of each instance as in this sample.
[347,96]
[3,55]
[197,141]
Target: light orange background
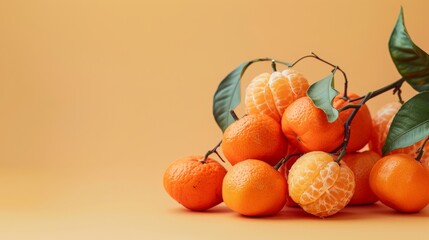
[98,97]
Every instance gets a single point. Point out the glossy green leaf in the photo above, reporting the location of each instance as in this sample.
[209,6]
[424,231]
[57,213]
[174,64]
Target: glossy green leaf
[410,124]
[322,94]
[227,96]
[411,61]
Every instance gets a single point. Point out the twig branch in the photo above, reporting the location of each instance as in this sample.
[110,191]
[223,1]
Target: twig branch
[213,150]
[313,55]
[420,151]
[395,85]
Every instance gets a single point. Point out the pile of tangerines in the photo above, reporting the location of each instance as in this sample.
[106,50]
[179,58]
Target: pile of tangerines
[281,153]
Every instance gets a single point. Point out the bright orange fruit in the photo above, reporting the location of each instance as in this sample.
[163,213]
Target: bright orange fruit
[381,125]
[271,94]
[320,185]
[400,182]
[194,183]
[254,188]
[360,127]
[361,164]
[306,127]
[284,169]
[255,136]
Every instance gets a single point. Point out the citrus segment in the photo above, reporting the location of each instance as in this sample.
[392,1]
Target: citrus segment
[271,94]
[255,98]
[319,185]
[381,125]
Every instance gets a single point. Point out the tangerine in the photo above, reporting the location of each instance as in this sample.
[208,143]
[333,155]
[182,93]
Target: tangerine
[254,188]
[195,183]
[361,125]
[361,164]
[255,136]
[320,185]
[306,127]
[284,169]
[400,182]
[381,125]
[271,94]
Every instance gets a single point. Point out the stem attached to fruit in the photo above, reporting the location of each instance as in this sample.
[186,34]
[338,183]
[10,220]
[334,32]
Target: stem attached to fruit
[420,151]
[395,85]
[273,65]
[214,149]
[234,115]
[210,152]
[285,159]
[313,55]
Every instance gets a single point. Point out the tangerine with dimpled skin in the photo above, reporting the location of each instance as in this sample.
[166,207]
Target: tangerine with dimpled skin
[255,136]
[320,185]
[361,164]
[271,94]
[401,183]
[254,188]
[194,183]
[306,127]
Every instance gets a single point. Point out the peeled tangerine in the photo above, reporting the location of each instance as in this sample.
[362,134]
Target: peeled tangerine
[320,185]
[271,94]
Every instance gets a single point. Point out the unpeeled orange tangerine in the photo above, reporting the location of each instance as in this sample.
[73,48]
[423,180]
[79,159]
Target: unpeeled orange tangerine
[194,182]
[255,136]
[254,188]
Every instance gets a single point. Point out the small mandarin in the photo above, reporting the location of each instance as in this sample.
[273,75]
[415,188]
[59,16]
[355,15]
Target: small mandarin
[381,125]
[194,183]
[255,136]
[254,188]
[271,94]
[320,185]
[284,169]
[306,127]
[401,183]
[360,127]
[361,164]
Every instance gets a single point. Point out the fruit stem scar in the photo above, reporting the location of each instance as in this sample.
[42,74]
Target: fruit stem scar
[285,159]
[420,151]
[211,151]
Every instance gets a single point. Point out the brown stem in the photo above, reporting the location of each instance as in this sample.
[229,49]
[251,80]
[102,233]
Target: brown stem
[285,159]
[273,65]
[234,115]
[395,85]
[420,150]
[313,55]
[211,151]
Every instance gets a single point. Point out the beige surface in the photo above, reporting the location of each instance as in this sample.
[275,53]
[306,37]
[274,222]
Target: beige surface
[98,97]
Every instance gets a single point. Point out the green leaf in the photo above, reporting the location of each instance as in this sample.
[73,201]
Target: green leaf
[410,124]
[411,61]
[322,94]
[227,96]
